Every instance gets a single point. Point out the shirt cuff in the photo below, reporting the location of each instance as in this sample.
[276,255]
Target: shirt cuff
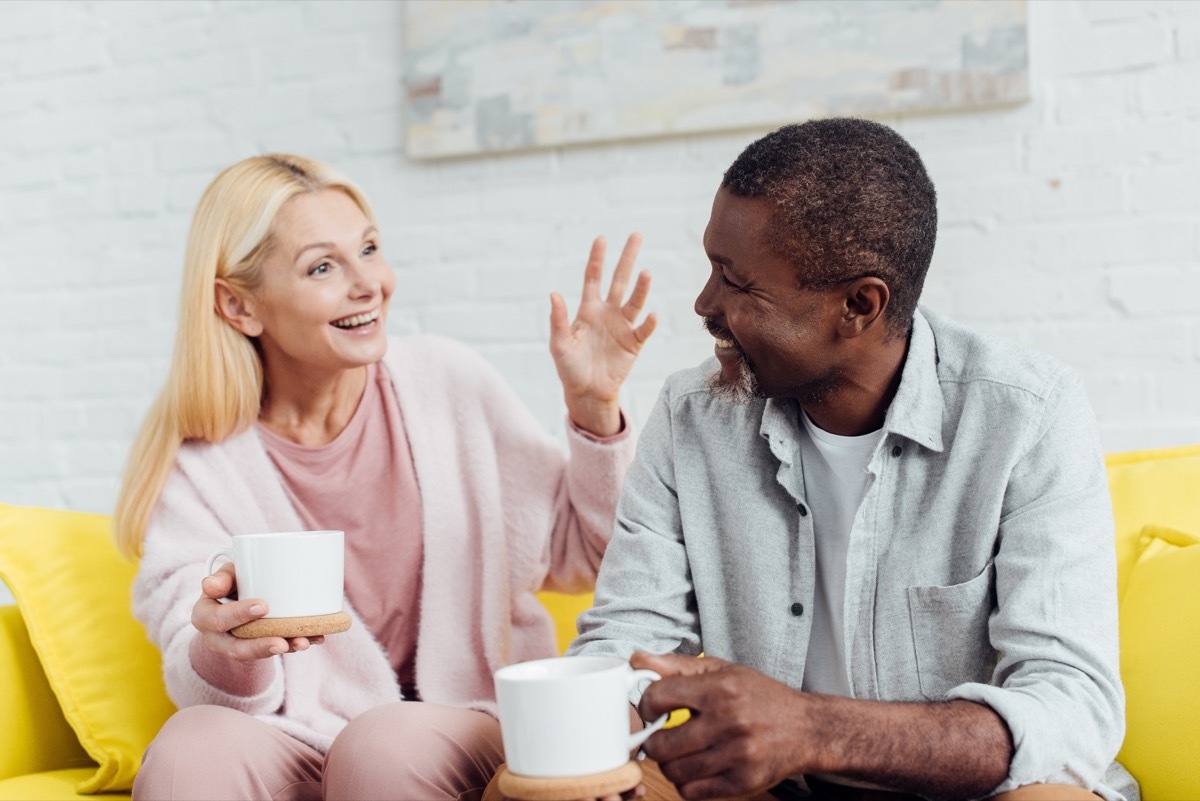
[1037,758]
[622,432]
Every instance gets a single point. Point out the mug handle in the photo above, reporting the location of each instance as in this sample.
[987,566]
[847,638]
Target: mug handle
[638,737]
[212,562]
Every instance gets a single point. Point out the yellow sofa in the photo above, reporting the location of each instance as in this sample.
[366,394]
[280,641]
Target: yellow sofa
[81,694]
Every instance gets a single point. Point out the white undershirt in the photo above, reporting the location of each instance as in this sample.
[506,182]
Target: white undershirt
[835,480]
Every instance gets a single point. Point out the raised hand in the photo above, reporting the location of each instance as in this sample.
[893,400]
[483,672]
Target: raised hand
[595,352]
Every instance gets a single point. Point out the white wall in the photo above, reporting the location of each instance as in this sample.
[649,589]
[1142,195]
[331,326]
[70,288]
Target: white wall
[1069,222]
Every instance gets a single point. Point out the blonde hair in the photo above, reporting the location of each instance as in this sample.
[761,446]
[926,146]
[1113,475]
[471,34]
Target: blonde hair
[215,385]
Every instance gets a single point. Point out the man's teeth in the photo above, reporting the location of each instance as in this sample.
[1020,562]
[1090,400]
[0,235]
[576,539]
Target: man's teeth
[358,319]
[724,343]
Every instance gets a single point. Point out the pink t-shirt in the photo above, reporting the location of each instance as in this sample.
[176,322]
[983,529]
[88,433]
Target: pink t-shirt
[364,483]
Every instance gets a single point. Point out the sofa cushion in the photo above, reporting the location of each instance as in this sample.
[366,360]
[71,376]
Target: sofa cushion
[52,785]
[565,609]
[34,735]
[1151,486]
[73,591]
[1160,648]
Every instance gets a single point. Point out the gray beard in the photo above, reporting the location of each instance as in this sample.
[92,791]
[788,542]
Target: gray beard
[741,391]
[745,389]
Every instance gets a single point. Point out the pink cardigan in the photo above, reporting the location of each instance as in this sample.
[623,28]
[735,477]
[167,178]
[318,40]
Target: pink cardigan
[505,512]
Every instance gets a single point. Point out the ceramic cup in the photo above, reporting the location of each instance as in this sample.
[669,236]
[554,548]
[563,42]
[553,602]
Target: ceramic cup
[569,715]
[298,573]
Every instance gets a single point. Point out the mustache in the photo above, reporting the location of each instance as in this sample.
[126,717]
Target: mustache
[716,330]
[721,332]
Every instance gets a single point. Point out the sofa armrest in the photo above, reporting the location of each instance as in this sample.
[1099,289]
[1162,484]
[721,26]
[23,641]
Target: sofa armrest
[35,736]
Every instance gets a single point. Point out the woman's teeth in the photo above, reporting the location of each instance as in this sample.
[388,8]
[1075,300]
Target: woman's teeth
[357,320]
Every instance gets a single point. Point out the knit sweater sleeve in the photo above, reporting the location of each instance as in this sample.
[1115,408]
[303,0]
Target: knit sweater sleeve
[585,507]
[559,503]
[184,529]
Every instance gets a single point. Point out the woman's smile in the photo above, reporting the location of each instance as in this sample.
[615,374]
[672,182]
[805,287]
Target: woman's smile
[363,322]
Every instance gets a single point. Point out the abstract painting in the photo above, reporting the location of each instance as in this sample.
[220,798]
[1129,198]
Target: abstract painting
[497,75]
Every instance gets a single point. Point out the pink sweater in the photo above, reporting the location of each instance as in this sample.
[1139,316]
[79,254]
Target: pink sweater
[505,513]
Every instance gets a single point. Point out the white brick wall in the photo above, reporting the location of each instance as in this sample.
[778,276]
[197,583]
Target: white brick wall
[1069,222]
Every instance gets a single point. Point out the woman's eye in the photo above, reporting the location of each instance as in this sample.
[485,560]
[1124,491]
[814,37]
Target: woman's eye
[369,249]
[321,269]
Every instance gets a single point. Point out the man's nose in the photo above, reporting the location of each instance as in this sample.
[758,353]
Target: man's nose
[705,304]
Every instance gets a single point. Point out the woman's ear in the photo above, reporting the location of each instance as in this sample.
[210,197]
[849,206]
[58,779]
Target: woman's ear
[235,308]
[864,305]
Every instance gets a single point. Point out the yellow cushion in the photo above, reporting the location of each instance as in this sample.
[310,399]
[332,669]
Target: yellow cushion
[565,609]
[1152,485]
[34,735]
[54,785]
[72,589]
[1160,651]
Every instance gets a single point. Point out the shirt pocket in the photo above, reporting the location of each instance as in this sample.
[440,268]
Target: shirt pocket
[950,633]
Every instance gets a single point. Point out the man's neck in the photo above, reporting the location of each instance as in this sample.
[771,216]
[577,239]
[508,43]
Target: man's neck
[859,404]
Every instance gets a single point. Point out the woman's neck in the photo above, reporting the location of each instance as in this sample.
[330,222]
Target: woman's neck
[311,409]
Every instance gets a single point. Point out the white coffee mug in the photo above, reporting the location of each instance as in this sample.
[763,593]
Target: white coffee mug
[569,715]
[298,573]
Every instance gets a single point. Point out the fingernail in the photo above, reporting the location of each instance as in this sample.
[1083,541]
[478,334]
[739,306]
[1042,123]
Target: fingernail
[277,649]
[257,609]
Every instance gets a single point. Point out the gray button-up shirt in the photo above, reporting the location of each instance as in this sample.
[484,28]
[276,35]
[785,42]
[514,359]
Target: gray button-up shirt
[981,560]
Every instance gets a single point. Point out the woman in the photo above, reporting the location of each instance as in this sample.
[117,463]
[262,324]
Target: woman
[288,408]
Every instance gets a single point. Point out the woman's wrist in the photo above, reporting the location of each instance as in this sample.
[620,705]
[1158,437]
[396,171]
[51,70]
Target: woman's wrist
[597,417]
[245,679]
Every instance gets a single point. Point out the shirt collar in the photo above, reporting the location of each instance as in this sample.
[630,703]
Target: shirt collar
[780,427]
[916,411]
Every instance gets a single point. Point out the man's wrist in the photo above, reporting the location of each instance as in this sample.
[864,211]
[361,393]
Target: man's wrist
[817,718]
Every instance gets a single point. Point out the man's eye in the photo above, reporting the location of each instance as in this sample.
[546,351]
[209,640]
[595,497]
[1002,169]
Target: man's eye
[730,284]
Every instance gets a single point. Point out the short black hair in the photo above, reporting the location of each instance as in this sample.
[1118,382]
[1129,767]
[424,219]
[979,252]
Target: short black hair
[852,199]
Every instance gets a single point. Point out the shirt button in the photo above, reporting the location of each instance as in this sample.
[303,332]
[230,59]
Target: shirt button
[803,511]
[896,451]
[797,609]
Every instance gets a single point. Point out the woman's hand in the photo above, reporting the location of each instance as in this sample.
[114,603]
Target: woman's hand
[595,353]
[214,620]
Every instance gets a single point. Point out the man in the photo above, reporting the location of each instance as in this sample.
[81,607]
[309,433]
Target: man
[890,536]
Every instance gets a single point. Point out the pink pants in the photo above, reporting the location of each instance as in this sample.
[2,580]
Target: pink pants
[407,750]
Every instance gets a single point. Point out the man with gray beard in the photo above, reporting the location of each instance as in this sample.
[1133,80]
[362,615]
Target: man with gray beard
[890,536]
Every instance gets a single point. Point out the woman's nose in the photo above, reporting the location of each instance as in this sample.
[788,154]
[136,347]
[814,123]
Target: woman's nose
[364,281]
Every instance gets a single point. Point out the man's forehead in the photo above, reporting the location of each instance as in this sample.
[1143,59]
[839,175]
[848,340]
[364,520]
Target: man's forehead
[736,222]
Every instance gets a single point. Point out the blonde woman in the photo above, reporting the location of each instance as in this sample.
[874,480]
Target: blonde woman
[288,407]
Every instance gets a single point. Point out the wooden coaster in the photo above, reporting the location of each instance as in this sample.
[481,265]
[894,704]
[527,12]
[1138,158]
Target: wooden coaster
[293,626]
[568,788]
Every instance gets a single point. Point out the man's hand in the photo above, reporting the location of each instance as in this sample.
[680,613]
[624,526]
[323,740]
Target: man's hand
[746,732]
